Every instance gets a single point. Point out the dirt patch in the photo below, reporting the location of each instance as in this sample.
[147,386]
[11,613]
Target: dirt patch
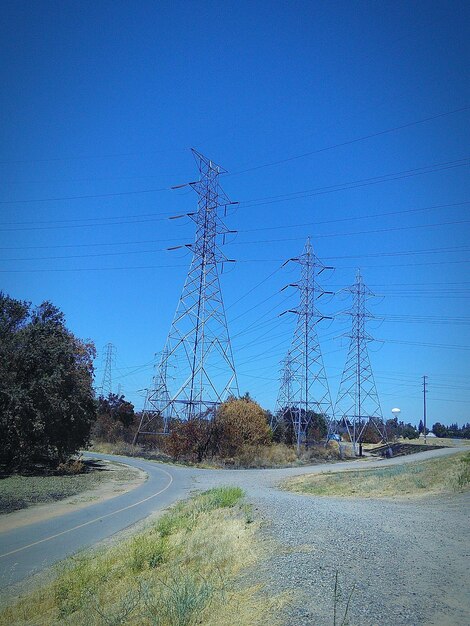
[114,479]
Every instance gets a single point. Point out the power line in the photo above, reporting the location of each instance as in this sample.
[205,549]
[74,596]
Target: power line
[169,266]
[86,157]
[349,142]
[87,196]
[86,219]
[251,230]
[348,234]
[263,165]
[374,180]
[356,217]
[426,169]
[423,344]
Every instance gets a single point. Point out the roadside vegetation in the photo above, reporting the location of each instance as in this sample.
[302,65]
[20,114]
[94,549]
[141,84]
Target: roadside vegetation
[437,476]
[182,571]
[47,403]
[236,435]
[249,457]
[19,492]
[441,442]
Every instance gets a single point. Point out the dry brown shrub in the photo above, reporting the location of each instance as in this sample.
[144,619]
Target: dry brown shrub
[238,423]
[274,455]
[320,453]
[190,441]
[371,434]
[71,468]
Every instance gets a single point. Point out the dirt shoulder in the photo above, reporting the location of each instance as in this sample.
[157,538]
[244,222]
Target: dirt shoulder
[110,480]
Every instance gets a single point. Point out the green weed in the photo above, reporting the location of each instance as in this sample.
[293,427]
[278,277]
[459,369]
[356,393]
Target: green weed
[463,476]
[172,574]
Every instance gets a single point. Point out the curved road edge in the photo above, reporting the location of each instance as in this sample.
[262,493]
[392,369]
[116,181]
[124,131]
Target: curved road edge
[27,550]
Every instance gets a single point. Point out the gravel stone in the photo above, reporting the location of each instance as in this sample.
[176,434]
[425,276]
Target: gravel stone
[405,561]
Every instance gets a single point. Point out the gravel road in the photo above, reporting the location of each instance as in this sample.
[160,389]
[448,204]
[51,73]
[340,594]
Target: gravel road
[407,559]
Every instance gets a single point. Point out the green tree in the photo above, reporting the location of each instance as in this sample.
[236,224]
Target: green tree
[47,402]
[115,417]
[409,431]
[394,428]
[439,430]
[117,407]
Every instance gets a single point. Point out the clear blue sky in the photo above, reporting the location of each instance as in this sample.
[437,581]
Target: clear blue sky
[100,99]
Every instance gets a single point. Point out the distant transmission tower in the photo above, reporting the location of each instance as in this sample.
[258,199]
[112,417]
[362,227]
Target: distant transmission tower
[284,398]
[198,347]
[304,387]
[157,400]
[107,381]
[358,404]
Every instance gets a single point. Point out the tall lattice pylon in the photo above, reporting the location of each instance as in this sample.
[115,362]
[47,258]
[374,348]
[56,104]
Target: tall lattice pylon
[198,347]
[304,387]
[157,399]
[284,398]
[107,380]
[358,403]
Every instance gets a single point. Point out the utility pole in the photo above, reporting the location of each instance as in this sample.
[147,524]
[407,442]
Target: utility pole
[198,348]
[358,403]
[304,388]
[424,405]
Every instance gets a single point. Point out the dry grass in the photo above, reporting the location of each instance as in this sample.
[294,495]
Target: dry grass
[446,475]
[280,455]
[19,492]
[438,441]
[128,449]
[181,571]
[259,456]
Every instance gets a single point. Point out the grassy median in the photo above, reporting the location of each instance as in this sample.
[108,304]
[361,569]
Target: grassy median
[182,571]
[446,475]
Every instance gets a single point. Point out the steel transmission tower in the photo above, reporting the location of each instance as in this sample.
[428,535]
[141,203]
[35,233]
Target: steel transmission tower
[358,404]
[304,387]
[198,347]
[157,399]
[284,398]
[107,381]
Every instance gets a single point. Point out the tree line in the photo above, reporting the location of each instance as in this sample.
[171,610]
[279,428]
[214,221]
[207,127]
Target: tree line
[49,410]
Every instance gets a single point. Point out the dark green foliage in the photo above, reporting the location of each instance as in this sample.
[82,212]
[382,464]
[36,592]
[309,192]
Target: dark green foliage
[47,402]
[397,429]
[284,432]
[116,419]
[453,430]
[117,407]
[409,432]
[439,430]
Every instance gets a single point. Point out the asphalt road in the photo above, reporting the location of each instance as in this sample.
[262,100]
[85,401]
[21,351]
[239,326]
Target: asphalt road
[29,549]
